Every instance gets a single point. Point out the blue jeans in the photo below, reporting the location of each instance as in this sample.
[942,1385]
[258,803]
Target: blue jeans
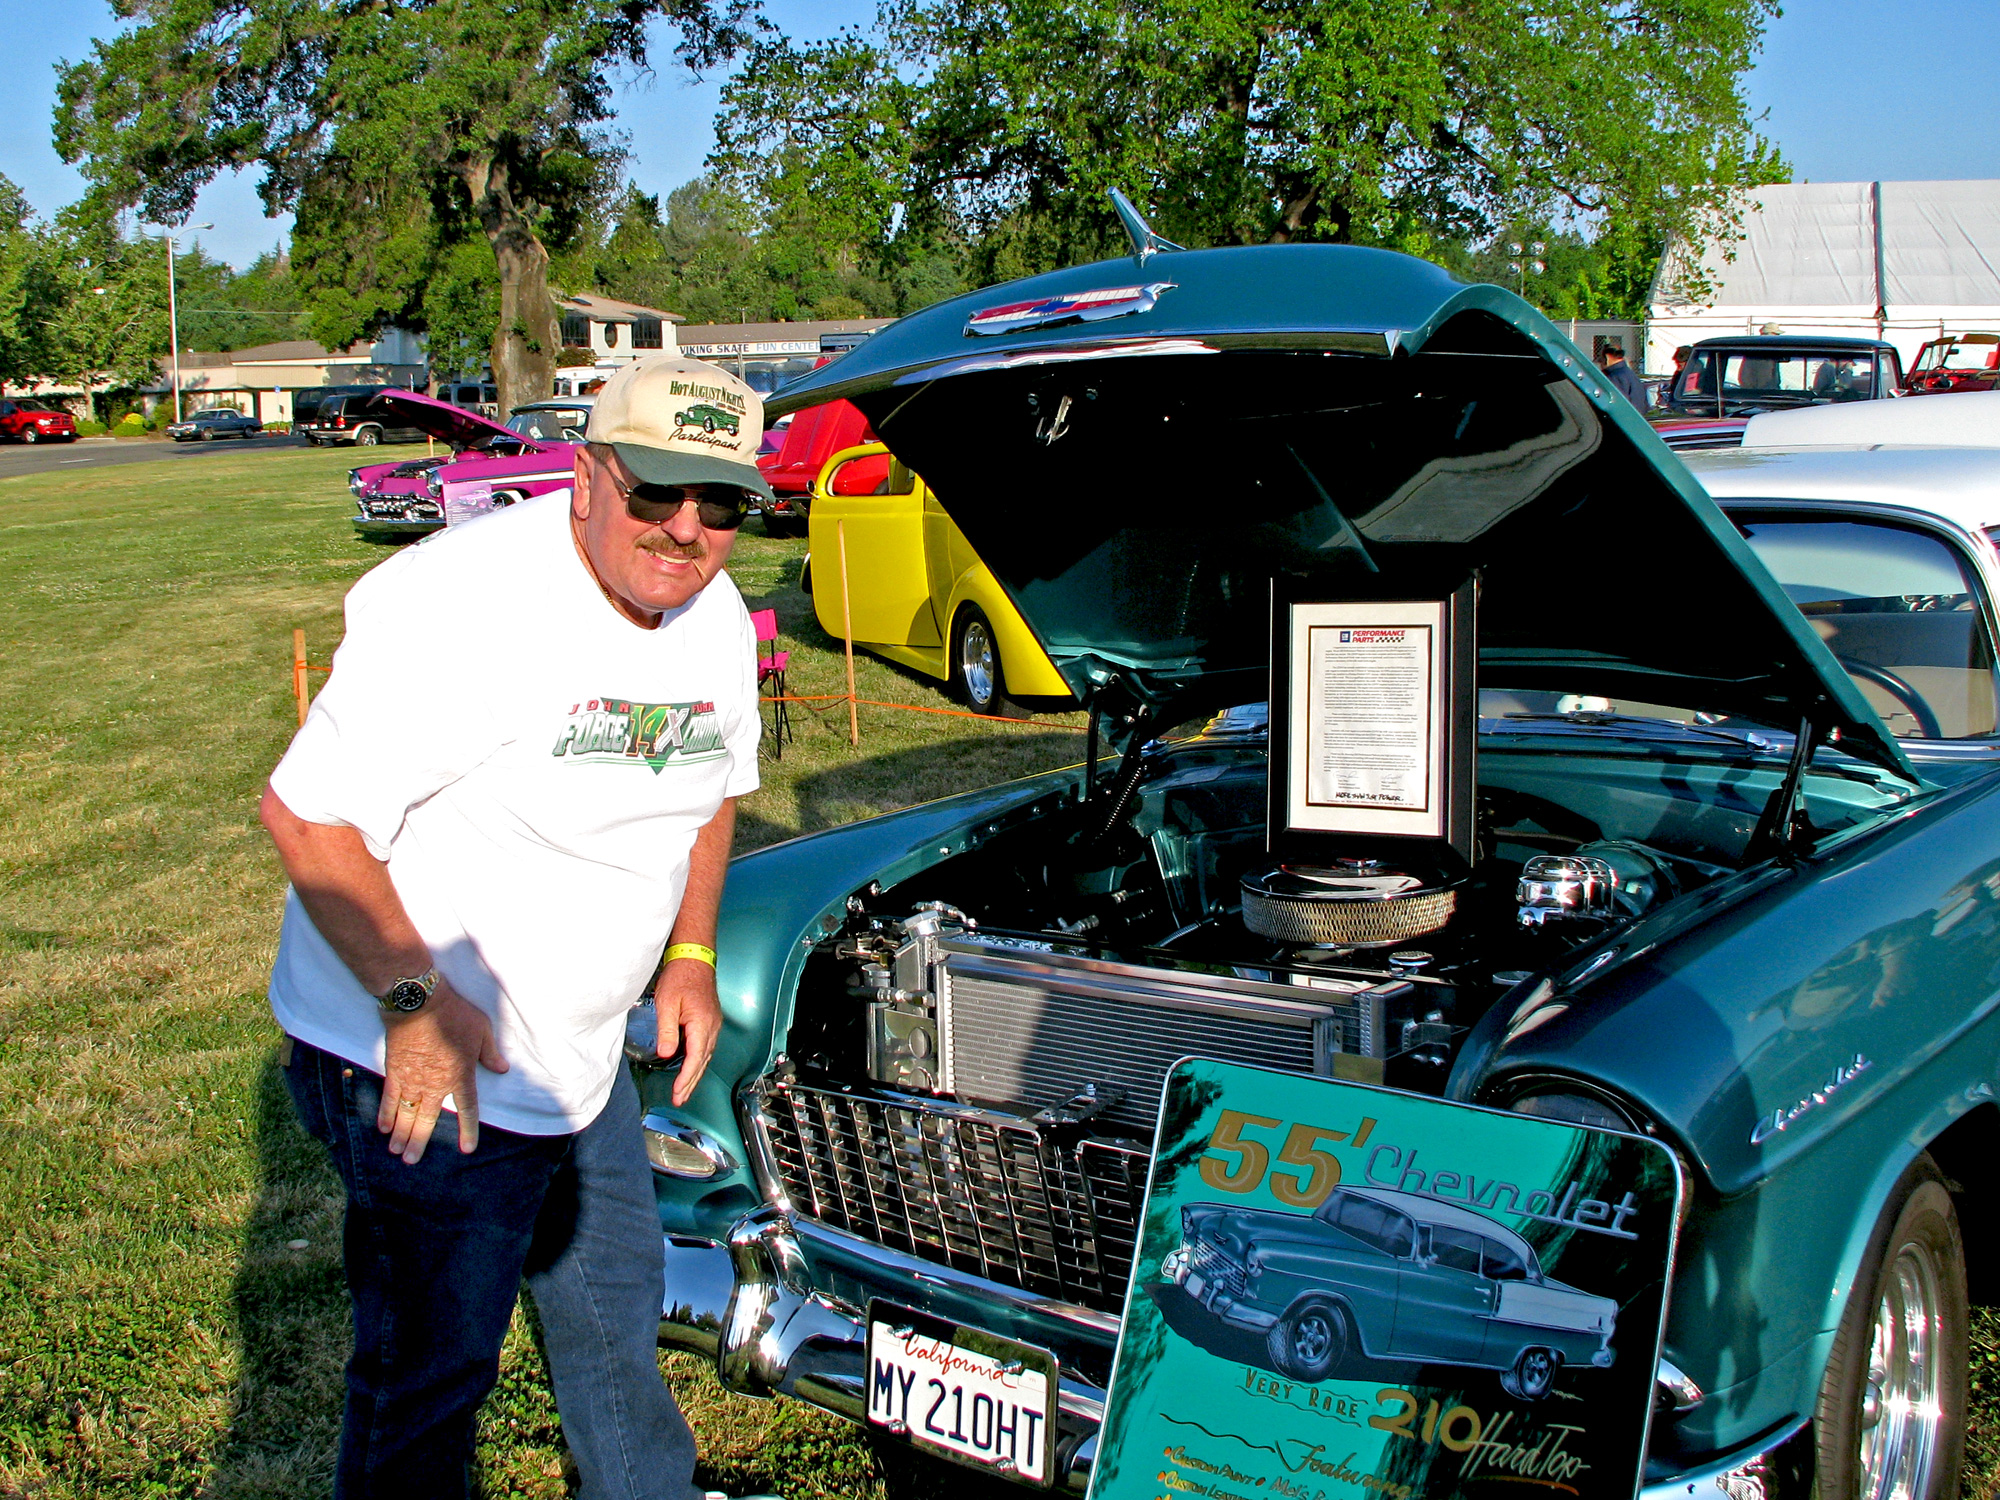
[436,1253]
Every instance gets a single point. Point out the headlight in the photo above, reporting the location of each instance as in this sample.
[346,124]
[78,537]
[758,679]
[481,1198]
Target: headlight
[434,484]
[680,1150]
[1574,1101]
[354,482]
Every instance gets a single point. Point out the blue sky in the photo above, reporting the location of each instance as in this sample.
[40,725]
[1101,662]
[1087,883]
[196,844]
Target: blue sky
[1855,90]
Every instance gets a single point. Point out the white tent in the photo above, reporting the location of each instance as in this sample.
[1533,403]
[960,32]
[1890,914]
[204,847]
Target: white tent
[1904,261]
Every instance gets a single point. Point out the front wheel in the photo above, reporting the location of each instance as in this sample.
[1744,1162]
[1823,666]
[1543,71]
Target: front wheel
[975,666]
[29,435]
[1891,1413]
[1308,1342]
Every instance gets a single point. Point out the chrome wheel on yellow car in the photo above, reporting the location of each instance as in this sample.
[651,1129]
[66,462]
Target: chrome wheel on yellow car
[975,666]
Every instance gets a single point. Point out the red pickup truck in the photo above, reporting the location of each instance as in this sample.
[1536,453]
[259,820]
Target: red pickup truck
[1956,362]
[24,420]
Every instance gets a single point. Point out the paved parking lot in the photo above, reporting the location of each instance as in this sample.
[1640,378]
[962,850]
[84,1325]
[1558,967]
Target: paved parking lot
[39,458]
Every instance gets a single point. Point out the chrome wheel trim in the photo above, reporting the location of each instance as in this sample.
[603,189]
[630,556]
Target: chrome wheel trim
[1901,1396]
[975,662]
[1312,1336]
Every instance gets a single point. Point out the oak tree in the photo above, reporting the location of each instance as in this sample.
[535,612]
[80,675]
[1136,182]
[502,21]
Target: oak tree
[393,129]
[1409,123]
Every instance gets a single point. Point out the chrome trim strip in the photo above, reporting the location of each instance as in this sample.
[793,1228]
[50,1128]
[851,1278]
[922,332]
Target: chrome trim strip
[958,1281]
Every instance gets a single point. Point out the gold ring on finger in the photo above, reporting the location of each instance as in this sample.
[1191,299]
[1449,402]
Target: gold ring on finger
[409,1104]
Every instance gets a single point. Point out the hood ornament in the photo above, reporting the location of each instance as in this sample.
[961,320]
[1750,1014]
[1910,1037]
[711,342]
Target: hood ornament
[1144,242]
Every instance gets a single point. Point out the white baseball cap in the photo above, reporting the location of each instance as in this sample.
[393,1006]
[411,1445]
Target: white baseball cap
[682,421]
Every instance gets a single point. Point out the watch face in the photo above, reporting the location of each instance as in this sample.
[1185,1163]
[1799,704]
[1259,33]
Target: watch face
[406,995]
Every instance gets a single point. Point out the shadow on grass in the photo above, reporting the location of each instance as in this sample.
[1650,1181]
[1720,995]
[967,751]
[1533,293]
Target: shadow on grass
[291,1317]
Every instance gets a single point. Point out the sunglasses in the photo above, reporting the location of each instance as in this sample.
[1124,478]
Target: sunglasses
[719,507]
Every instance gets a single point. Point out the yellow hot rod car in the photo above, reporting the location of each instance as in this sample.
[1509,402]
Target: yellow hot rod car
[920,596]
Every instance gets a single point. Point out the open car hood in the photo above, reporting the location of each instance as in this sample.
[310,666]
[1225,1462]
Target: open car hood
[449,424]
[1137,450]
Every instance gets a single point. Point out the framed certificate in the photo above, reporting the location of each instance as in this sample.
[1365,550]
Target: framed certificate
[1373,722]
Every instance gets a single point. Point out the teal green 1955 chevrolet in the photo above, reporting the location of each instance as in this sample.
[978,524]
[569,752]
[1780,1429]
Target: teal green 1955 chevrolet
[1732,875]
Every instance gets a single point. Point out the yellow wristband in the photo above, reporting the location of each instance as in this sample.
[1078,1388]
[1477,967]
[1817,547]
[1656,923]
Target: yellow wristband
[691,950]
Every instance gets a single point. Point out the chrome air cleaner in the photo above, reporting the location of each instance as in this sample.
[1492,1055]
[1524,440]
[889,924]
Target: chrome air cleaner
[1352,903]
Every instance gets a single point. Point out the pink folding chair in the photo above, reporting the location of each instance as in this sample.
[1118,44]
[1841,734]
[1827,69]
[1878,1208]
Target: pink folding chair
[771,664]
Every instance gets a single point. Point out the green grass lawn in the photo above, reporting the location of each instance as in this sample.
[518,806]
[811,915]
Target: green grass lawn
[171,1317]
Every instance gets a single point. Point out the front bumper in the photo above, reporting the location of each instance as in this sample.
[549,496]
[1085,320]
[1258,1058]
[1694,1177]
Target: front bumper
[750,1305]
[384,526]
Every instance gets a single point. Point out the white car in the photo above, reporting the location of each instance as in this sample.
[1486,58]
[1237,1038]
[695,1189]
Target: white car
[1960,419]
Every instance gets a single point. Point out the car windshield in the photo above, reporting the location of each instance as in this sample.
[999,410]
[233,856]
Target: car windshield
[550,424]
[30,405]
[1791,376]
[1372,1223]
[1961,354]
[1899,611]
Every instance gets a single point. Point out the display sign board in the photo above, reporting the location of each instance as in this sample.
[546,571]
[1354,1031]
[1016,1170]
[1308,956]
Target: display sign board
[1348,1291]
[1373,723]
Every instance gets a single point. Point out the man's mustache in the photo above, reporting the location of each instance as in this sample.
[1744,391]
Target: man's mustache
[666,546]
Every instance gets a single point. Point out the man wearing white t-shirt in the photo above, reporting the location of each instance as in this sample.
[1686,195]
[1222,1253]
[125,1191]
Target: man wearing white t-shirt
[517,787]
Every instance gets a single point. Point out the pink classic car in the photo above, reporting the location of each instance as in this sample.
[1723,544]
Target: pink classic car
[484,465]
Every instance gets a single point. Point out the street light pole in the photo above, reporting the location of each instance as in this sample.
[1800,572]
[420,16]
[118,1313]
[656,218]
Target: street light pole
[173,314]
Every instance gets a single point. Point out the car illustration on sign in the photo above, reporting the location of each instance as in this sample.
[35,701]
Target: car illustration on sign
[708,418]
[1389,1275]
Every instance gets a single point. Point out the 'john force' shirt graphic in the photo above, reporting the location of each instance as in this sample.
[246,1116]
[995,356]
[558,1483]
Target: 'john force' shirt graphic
[617,731]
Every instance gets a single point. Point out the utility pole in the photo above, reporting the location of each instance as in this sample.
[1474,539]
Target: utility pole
[167,238]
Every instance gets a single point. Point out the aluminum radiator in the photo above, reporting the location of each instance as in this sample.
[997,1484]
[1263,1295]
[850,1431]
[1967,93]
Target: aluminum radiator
[1021,1026]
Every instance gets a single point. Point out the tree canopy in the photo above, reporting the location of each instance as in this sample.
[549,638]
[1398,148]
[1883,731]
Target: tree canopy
[1406,123]
[395,132]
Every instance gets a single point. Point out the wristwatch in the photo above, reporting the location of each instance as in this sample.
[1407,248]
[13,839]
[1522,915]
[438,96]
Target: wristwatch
[407,996]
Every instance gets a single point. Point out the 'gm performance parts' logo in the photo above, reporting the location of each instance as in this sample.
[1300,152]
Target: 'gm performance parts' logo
[613,730]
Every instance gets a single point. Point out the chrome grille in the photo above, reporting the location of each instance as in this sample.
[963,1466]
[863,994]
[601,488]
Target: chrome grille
[1216,1267]
[987,1194]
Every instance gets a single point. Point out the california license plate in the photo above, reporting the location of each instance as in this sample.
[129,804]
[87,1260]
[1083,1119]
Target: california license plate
[961,1392]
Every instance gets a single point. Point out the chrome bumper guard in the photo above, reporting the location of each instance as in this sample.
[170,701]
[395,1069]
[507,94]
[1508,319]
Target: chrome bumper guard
[749,1305]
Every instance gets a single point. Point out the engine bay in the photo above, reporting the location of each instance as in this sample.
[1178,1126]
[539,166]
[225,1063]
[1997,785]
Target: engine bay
[1056,969]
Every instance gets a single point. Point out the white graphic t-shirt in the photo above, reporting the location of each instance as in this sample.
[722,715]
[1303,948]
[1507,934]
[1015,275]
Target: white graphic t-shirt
[534,768]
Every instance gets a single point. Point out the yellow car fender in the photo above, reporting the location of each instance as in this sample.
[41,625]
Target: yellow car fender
[1025,668]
